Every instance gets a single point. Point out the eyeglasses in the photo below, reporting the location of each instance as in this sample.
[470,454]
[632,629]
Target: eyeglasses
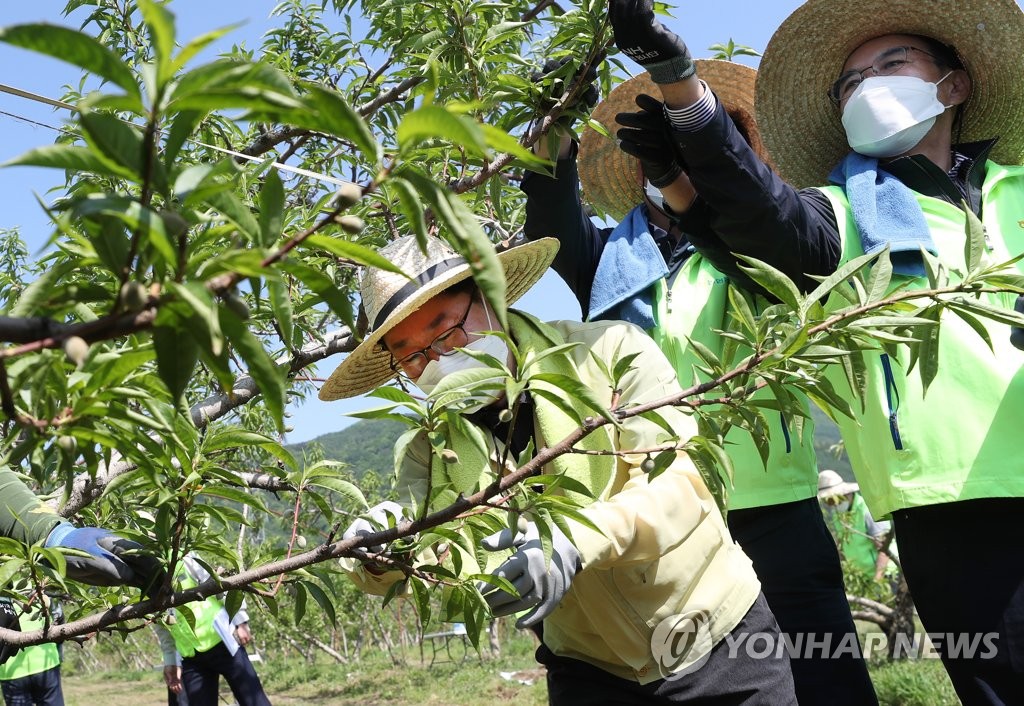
[445,344]
[887,63]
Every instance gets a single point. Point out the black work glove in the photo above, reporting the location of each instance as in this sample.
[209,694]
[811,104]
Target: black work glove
[554,69]
[1017,333]
[645,135]
[646,41]
[8,620]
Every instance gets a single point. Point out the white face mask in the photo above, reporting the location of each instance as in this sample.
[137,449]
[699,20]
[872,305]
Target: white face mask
[843,506]
[654,194]
[436,370]
[888,115]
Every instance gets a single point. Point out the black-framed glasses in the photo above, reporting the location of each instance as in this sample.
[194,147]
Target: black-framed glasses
[887,63]
[444,344]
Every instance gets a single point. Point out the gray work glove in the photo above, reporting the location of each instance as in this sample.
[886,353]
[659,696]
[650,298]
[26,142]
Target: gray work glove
[1016,333]
[539,584]
[646,41]
[375,520]
[106,559]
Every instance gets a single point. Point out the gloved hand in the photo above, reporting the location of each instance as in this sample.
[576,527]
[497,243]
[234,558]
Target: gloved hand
[539,584]
[111,560]
[1016,333]
[645,135]
[8,620]
[585,100]
[646,41]
[376,520]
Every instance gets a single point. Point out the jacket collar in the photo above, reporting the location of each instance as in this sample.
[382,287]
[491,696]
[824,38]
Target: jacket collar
[925,177]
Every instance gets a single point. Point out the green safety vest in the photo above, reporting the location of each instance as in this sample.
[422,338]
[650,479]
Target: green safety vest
[30,660]
[851,528]
[204,636]
[694,306]
[960,442]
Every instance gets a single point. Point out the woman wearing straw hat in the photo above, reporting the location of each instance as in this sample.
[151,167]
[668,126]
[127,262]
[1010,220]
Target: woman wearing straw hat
[918,92]
[640,612]
[858,534]
[646,271]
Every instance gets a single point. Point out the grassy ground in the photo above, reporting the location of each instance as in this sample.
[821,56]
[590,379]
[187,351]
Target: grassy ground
[371,682]
[376,681]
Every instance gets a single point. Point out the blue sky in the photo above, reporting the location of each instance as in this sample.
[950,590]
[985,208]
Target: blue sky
[701,24]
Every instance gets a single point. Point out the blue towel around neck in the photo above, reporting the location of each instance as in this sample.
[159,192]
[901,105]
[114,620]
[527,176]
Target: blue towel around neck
[886,213]
[630,263]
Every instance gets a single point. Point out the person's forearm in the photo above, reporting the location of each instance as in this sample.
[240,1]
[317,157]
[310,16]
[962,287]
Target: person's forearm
[682,94]
[22,516]
[553,209]
[752,210]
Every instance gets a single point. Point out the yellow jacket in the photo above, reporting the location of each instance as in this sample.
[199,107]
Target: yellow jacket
[664,550]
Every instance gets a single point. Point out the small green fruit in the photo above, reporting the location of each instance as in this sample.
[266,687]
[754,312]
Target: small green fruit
[449,456]
[76,350]
[237,306]
[348,195]
[648,465]
[300,541]
[505,416]
[67,444]
[133,296]
[351,224]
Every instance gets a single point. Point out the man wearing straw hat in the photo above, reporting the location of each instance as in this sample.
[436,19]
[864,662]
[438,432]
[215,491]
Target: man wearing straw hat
[639,612]
[646,271]
[858,534]
[928,98]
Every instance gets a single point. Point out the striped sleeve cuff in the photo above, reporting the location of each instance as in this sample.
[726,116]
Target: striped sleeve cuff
[694,117]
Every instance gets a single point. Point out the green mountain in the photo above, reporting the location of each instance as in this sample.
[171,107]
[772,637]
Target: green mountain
[367,445]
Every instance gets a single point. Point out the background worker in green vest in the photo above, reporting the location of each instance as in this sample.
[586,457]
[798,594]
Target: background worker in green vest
[647,272]
[195,659]
[908,111]
[858,534]
[31,677]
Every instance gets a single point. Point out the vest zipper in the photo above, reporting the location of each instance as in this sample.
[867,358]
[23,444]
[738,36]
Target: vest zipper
[785,432]
[892,400]
[668,298]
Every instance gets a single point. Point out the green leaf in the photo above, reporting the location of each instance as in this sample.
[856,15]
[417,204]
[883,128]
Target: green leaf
[271,209]
[773,281]
[161,32]
[346,249]
[70,157]
[323,600]
[881,277]
[974,244]
[840,276]
[10,569]
[412,207]
[267,376]
[232,208]
[326,111]
[74,48]
[575,390]
[437,122]
[201,310]
[176,358]
[979,327]
[281,305]
[323,286]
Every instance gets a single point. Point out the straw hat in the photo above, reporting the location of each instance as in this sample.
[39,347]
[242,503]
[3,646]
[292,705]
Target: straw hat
[609,176]
[831,483]
[800,125]
[388,298]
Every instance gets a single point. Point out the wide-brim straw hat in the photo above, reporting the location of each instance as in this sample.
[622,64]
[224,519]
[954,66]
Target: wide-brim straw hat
[831,483]
[608,176]
[388,298]
[801,126]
